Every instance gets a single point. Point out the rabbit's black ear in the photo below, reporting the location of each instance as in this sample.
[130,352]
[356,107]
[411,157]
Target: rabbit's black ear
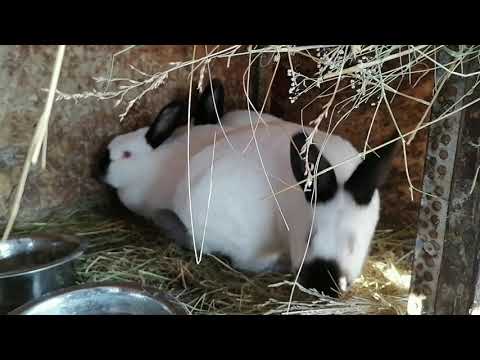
[170,117]
[210,103]
[326,184]
[371,173]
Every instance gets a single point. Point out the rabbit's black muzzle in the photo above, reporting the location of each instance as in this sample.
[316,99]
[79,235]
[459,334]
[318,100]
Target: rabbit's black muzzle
[101,170]
[323,276]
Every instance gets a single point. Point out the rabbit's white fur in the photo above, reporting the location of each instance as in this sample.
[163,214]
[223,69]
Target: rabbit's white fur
[246,225]
[244,221]
[148,178]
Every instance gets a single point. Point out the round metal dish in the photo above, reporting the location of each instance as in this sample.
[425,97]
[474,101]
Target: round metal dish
[103,299]
[34,265]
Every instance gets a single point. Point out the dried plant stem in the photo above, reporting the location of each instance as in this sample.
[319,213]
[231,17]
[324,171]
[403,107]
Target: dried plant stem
[443,66]
[307,246]
[474,181]
[371,126]
[307,144]
[409,180]
[36,143]
[246,91]
[210,189]
[362,154]
[43,122]
[112,63]
[263,107]
[357,68]
[396,92]
[44,150]
[216,109]
[197,258]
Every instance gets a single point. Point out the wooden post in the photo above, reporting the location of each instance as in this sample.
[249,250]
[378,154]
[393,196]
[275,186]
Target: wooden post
[447,256]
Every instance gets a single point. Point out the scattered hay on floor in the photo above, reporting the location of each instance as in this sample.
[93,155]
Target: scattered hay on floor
[122,250]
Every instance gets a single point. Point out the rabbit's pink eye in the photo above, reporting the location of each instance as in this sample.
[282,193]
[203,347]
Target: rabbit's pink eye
[126,154]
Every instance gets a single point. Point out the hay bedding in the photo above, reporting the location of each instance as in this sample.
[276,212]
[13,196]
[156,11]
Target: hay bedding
[121,250]
[124,250]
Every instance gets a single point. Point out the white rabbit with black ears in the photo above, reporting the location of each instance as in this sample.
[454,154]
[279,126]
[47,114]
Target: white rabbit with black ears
[256,233]
[144,166]
[147,167]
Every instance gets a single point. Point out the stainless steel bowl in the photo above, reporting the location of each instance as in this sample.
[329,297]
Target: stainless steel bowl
[103,299]
[35,265]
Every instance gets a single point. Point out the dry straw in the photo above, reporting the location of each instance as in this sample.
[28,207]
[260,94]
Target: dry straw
[39,141]
[124,250]
[374,73]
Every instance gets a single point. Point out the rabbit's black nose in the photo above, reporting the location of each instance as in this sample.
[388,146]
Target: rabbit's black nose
[102,165]
[323,276]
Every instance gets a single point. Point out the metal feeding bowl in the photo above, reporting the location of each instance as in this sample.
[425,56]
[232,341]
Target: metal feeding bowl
[102,299]
[34,265]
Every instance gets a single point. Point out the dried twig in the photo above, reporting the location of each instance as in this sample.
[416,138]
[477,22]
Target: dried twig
[38,137]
